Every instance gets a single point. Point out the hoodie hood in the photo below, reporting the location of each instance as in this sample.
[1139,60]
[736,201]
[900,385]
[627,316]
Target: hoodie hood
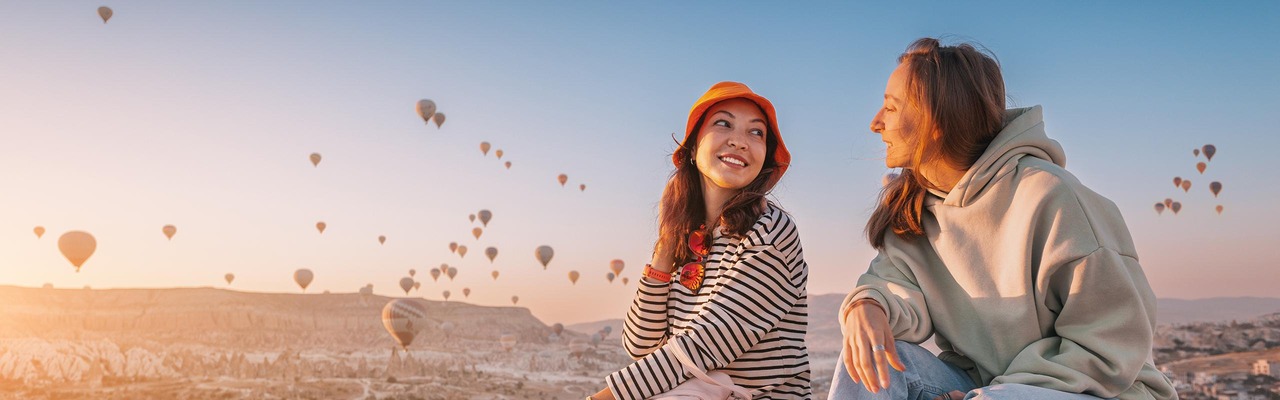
[1023,135]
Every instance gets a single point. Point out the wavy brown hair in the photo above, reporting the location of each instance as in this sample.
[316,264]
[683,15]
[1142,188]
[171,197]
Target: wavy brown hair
[958,92]
[683,209]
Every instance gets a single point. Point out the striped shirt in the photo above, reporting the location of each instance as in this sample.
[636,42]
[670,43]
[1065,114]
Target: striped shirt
[747,320]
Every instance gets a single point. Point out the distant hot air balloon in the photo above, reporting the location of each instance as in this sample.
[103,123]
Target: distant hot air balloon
[1215,187]
[562,178]
[498,153]
[426,109]
[39,230]
[625,281]
[573,277]
[544,254]
[1196,152]
[404,319]
[515,300]
[453,271]
[1186,185]
[508,341]
[106,13]
[485,216]
[582,187]
[471,217]
[495,274]
[578,347]
[1177,206]
[616,266]
[453,247]
[77,246]
[406,284]
[1200,166]
[508,164]
[491,252]
[446,327]
[229,278]
[466,292]
[610,276]
[169,230]
[366,292]
[1159,208]
[446,295]
[382,239]
[303,278]
[484,148]
[417,285]
[435,274]
[1177,181]
[320,226]
[1219,208]
[1209,150]
[462,251]
[1168,202]
[439,119]
[477,231]
[607,329]
[315,159]
[413,272]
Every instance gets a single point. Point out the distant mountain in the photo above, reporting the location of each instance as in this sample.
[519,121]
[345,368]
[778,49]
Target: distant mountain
[1216,309]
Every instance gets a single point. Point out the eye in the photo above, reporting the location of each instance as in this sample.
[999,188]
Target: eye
[721,122]
[757,132]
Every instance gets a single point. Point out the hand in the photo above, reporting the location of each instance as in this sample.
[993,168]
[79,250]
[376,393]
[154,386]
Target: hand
[866,327]
[952,395]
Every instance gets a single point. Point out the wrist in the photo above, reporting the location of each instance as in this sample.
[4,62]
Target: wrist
[866,302]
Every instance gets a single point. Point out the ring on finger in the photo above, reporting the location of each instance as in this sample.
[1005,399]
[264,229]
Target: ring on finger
[877,348]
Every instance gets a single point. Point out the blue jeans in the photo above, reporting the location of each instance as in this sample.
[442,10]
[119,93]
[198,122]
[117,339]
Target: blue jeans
[927,377]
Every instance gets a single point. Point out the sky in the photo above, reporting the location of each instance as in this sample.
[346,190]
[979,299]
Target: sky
[203,114]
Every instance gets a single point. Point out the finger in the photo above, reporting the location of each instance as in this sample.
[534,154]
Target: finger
[956,395]
[882,368]
[891,353]
[866,363]
[847,354]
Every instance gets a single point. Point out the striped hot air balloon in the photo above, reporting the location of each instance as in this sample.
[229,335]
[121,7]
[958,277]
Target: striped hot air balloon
[404,318]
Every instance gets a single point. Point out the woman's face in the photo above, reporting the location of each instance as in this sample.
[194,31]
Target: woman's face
[896,121]
[731,144]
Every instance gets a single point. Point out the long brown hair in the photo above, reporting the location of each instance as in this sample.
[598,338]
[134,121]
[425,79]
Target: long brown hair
[683,209]
[958,92]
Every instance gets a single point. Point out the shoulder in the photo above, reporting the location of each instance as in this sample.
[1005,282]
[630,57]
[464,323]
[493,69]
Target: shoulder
[775,227]
[1059,199]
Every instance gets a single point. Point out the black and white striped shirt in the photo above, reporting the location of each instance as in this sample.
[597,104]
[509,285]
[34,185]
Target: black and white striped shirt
[747,320]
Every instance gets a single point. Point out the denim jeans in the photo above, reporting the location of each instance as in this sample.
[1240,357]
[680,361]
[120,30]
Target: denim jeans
[927,377]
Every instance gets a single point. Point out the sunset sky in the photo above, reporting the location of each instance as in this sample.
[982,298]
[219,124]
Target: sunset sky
[203,114]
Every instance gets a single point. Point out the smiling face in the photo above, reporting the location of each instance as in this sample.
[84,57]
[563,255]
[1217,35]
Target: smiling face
[897,122]
[731,144]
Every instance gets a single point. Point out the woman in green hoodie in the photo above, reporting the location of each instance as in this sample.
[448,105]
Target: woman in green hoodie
[1027,280]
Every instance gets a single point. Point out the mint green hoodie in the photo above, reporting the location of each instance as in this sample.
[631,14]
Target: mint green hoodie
[1025,276]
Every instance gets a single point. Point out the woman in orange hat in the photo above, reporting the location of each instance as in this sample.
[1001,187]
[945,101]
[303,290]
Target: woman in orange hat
[724,298]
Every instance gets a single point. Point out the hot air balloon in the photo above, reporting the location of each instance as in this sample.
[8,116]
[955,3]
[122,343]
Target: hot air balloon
[578,347]
[446,295]
[453,247]
[562,178]
[435,274]
[1177,181]
[1186,185]
[485,216]
[466,292]
[417,285]
[477,232]
[315,159]
[1215,187]
[495,274]
[462,251]
[320,226]
[609,276]
[1195,152]
[1200,166]
[1159,208]
[366,292]
[1219,208]
[595,340]
[508,164]
[544,254]
[169,230]
[1168,202]
[582,187]
[229,278]
[1177,206]
[607,329]
[1209,150]
[426,109]
[573,277]
[625,281]
[413,272]
[404,319]
[39,230]
[508,341]
[484,148]
[515,300]
[439,118]
[382,239]
[492,253]
[616,266]
[406,284]
[453,271]
[558,328]
[446,327]
[106,13]
[303,278]
[77,246]
[498,153]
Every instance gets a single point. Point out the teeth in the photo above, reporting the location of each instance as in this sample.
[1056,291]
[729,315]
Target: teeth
[732,160]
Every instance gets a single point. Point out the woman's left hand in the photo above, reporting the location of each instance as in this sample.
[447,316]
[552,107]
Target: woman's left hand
[953,395]
[604,394]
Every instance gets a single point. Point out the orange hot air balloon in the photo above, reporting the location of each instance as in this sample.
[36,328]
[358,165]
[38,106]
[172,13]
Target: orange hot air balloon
[1177,181]
[320,226]
[417,285]
[466,292]
[1209,150]
[582,187]
[1177,206]
[106,13]
[573,277]
[625,281]
[544,254]
[1168,202]
[1215,187]
[426,109]
[477,231]
[616,266]
[462,251]
[303,278]
[1219,208]
[1200,166]
[508,164]
[498,153]
[39,230]
[1159,208]
[229,278]
[495,274]
[404,319]
[562,178]
[435,274]
[491,252]
[446,295]
[484,148]
[439,119]
[315,159]
[382,239]
[77,247]
[453,247]
[515,299]
[169,230]
[1186,185]
[406,284]
[453,271]
[485,216]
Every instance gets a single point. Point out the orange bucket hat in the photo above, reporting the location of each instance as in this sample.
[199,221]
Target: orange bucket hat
[733,90]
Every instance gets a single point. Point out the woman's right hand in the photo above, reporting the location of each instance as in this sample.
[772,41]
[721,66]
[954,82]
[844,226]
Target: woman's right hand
[869,346]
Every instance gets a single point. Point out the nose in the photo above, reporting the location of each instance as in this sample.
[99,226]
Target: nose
[877,123]
[735,141]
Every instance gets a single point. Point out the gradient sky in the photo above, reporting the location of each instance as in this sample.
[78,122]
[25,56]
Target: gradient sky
[202,115]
